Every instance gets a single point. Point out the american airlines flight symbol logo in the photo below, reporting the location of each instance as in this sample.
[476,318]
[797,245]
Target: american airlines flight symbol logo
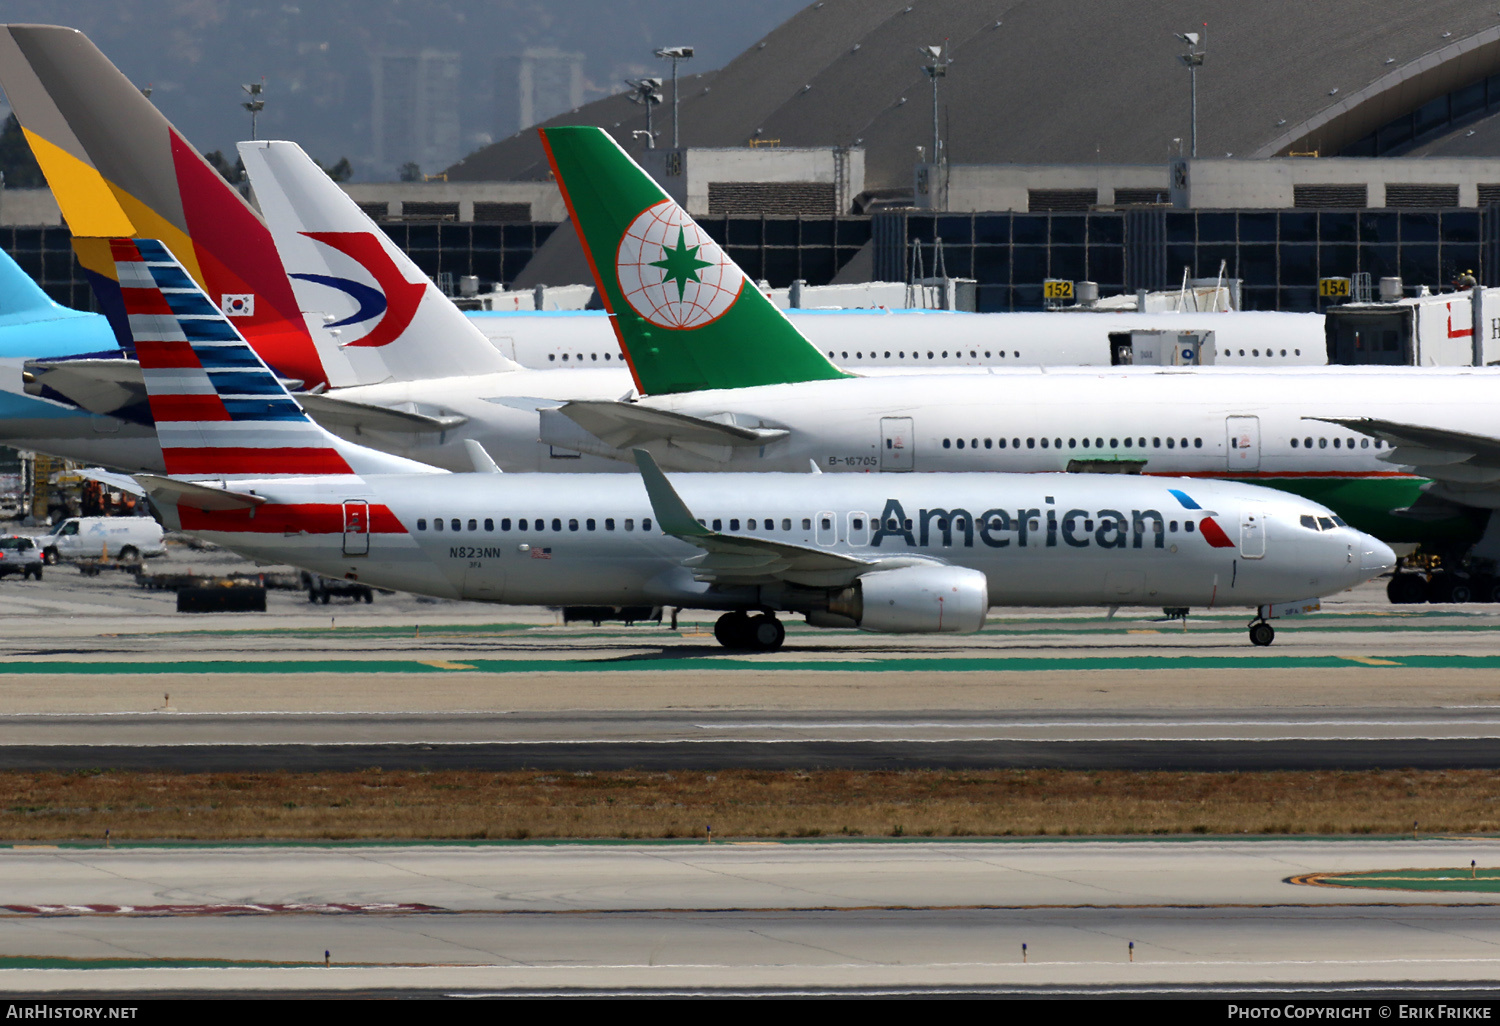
[672,273]
[394,302]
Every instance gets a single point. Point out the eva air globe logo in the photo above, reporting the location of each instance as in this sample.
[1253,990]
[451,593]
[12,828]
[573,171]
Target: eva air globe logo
[673,274]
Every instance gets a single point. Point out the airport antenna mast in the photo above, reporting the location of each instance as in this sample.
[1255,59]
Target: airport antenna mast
[675,54]
[255,104]
[1193,60]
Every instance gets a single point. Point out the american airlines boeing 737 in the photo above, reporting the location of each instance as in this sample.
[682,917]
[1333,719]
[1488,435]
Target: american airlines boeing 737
[248,469]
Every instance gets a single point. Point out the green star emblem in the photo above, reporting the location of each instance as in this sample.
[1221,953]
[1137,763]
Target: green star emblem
[681,264]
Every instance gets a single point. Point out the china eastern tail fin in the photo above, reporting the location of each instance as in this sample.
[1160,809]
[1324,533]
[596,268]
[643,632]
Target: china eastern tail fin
[687,317]
[371,311]
[118,168]
[219,410]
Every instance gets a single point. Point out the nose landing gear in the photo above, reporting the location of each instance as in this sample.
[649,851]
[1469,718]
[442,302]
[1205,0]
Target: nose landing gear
[1261,633]
[742,632]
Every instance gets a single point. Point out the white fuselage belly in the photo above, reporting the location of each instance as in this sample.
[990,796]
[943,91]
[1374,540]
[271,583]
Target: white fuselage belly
[559,560]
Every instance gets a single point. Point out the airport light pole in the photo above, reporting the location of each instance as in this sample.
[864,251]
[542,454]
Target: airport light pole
[255,104]
[1193,60]
[675,54]
[936,68]
[647,93]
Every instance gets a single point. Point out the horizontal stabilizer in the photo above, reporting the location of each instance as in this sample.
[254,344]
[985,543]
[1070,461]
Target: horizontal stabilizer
[333,412]
[98,385]
[626,425]
[196,496]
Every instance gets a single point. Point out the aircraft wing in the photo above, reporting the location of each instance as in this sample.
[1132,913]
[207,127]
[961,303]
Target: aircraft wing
[739,559]
[1464,467]
[626,425]
[198,496]
[98,385]
[332,412]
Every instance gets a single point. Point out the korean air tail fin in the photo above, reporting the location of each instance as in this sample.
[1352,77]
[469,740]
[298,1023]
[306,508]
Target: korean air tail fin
[687,317]
[219,410]
[119,169]
[22,300]
[370,310]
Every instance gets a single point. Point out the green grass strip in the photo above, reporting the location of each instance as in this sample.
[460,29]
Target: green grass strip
[54,962]
[1458,879]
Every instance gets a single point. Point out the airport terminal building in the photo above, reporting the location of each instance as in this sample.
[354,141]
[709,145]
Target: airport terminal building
[1067,140]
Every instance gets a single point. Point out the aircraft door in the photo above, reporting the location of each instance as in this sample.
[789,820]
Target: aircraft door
[897,449]
[356,527]
[1243,443]
[1252,534]
[859,529]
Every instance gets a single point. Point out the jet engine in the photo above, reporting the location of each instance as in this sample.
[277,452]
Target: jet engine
[911,600]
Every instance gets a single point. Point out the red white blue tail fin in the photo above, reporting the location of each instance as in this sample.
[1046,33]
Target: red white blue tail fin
[220,412]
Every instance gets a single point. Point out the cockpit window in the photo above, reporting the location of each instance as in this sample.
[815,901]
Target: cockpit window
[1340,521]
[1309,521]
[1326,523]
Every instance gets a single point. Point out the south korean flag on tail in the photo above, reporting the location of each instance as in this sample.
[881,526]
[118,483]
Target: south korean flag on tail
[237,306]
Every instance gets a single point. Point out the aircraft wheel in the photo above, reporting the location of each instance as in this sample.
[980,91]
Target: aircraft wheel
[766,632]
[1441,588]
[1262,634]
[1461,590]
[130,554]
[1406,589]
[733,630]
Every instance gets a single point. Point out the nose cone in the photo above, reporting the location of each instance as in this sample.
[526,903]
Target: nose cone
[1376,557]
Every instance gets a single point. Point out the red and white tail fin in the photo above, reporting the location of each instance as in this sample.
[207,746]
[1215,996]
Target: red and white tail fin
[371,311]
[219,410]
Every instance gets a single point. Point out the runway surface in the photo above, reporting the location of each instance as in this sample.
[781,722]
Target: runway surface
[761,917]
[95,672]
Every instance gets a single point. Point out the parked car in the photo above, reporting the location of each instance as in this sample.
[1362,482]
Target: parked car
[20,555]
[124,538]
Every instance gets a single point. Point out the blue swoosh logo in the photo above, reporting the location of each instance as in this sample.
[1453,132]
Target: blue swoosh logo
[371,301]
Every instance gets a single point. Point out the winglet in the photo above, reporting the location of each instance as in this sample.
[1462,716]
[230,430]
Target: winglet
[671,512]
[483,462]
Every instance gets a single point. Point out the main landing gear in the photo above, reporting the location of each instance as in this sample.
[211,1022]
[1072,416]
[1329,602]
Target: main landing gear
[1261,633]
[759,633]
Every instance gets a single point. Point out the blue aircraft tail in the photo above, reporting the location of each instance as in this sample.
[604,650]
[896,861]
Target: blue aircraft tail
[22,300]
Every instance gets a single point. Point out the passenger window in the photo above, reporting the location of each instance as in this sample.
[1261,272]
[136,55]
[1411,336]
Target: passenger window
[973,443]
[1364,443]
[786,523]
[718,524]
[1031,443]
[422,524]
[1169,443]
[629,524]
[505,523]
[557,524]
[457,524]
[859,525]
[437,523]
[1294,443]
[489,524]
[1114,443]
[473,524]
[1072,443]
[960,443]
[1307,443]
[734,523]
[646,524]
[589,523]
[1335,443]
[1187,525]
[1322,443]
[521,526]
[1044,443]
[1172,526]
[947,443]
[1197,443]
[609,523]
[989,443]
[807,523]
[1156,443]
[1127,443]
[825,523]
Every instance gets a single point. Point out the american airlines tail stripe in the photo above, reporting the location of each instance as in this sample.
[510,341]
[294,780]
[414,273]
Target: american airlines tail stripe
[188,407]
[275,518]
[190,304]
[216,460]
[155,354]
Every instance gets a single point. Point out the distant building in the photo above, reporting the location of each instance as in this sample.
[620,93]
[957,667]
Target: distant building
[537,84]
[415,109]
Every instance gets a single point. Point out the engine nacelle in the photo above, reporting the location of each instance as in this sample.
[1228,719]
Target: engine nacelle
[916,600]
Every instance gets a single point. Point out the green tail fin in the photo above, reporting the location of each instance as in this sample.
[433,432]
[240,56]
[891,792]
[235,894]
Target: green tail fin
[686,315]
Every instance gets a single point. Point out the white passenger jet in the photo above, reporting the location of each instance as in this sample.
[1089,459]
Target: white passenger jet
[248,469]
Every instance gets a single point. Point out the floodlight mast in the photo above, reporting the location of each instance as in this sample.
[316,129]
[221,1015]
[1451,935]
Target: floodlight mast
[255,104]
[1193,60]
[936,68]
[675,54]
[647,93]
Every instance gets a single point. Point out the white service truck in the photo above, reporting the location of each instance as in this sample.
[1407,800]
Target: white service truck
[123,538]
